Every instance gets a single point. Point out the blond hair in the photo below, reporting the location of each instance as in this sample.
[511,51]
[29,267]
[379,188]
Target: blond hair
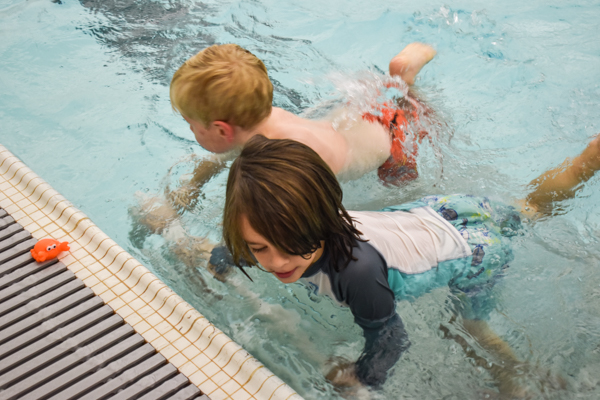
[223,83]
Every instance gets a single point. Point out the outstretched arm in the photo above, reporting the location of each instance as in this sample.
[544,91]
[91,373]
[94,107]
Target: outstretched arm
[410,60]
[184,197]
[156,213]
[562,182]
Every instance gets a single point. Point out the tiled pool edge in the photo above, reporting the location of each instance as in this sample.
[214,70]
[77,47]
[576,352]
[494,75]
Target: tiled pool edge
[211,360]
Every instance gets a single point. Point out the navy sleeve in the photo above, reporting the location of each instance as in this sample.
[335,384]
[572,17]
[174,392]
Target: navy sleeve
[363,285]
[383,347]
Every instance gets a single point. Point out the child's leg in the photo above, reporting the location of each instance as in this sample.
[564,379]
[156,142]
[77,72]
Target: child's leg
[504,367]
[562,183]
[410,60]
[504,371]
[514,378]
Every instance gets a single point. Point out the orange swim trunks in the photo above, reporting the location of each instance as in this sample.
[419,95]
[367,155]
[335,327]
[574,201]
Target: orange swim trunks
[397,115]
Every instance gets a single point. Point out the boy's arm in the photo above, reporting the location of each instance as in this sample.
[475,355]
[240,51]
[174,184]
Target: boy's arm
[209,167]
[157,213]
[184,196]
[365,288]
[383,347]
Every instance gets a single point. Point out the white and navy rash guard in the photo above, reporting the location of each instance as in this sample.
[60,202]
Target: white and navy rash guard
[413,242]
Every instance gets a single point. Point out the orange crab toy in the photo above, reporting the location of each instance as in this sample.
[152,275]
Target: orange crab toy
[47,249]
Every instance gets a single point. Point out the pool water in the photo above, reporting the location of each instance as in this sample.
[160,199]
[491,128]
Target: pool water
[84,102]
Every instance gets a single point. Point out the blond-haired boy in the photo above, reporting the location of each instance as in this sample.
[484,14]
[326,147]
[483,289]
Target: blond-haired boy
[225,94]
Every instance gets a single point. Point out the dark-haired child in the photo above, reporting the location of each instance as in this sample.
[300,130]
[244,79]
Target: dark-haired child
[284,211]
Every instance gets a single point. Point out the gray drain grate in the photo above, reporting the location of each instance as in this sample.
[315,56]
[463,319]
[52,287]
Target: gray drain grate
[59,341]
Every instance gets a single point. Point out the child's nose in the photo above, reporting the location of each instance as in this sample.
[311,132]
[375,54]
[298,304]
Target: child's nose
[279,259]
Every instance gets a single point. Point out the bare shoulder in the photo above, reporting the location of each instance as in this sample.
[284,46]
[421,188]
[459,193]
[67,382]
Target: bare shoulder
[318,135]
[281,116]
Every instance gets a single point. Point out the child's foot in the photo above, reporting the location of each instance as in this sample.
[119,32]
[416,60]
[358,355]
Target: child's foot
[578,169]
[410,60]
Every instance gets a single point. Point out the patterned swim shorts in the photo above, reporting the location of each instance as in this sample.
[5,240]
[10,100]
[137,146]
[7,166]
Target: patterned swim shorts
[486,226]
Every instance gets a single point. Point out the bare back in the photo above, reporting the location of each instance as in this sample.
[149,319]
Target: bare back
[349,145]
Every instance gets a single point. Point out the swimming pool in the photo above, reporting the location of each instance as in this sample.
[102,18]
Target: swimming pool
[84,103]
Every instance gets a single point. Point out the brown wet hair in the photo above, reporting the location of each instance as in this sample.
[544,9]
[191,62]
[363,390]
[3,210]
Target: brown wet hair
[291,197]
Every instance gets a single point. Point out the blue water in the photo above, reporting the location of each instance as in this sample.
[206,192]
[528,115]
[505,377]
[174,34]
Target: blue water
[84,102]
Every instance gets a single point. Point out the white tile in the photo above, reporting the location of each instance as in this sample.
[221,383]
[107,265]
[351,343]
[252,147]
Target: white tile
[198,379]
[218,394]
[241,394]
[188,369]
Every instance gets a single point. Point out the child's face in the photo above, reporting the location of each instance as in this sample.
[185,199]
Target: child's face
[286,267]
[214,138]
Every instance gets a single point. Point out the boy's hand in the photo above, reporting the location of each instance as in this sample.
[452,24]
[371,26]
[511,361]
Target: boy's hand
[184,197]
[343,375]
[220,263]
[194,251]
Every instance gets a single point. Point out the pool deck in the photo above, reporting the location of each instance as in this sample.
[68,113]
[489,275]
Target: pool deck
[60,341]
[213,362]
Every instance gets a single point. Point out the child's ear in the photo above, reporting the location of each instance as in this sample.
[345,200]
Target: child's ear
[225,130]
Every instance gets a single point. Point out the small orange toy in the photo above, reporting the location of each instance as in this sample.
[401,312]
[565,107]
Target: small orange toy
[47,249]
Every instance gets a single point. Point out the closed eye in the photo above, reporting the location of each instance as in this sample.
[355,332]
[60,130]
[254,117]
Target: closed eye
[257,250]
